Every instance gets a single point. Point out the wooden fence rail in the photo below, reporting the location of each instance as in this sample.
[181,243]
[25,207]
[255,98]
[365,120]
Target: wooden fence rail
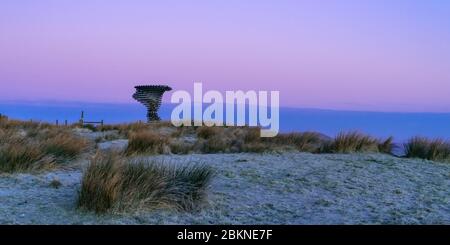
[83,122]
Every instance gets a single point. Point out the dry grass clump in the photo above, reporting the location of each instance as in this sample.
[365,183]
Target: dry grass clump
[386,146]
[113,183]
[256,147]
[146,141]
[304,141]
[230,140]
[101,182]
[205,132]
[26,146]
[251,134]
[248,139]
[162,137]
[354,142]
[21,155]
[351,142]
[430,149]
[215,144]
[107,137]
[126,129]
[180,147]
[183,131]
[6,124]
[64,146]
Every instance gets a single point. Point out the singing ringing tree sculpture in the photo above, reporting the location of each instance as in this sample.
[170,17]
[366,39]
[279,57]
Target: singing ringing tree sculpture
[150,96]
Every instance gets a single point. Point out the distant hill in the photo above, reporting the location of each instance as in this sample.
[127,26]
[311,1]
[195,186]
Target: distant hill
[329,122]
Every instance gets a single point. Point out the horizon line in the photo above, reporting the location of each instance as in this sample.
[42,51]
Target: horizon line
[71,102]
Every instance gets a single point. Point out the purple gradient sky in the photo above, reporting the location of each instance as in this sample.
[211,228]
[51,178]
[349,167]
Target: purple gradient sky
[380,55]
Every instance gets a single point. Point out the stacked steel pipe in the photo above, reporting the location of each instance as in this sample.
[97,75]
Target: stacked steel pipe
[150,96]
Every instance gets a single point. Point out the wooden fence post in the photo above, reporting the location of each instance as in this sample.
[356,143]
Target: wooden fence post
[82,118]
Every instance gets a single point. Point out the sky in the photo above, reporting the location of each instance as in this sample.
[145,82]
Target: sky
[374,55]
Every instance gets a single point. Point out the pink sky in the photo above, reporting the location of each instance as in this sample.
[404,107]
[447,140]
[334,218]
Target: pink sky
[357,55]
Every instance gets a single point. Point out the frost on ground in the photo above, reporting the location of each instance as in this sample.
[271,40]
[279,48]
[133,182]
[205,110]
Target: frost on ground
[287,188]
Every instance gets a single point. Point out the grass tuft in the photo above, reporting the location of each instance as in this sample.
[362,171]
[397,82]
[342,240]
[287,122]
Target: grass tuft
[351,142]
[430,149]
[304,142]
[32,146]
[64,146]
[205,132]
[113,183]
[387,146]
[20,156]
[146,141]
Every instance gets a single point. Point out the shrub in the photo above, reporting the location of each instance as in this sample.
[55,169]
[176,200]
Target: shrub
[113,183]
[431,149]
[147,142]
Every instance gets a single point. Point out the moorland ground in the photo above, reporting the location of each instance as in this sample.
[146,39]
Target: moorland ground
[295,179]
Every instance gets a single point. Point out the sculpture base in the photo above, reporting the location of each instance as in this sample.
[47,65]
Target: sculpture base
[152,116]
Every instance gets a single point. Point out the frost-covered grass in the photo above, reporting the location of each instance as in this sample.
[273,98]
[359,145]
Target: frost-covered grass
[277,185]
[249,188]
[28,146]
[113,182]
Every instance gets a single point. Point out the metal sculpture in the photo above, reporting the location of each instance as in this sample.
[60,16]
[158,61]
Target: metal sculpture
[150,96]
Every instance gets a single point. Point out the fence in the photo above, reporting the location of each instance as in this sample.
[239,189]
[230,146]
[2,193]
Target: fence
[81,122]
